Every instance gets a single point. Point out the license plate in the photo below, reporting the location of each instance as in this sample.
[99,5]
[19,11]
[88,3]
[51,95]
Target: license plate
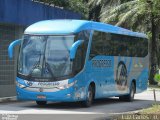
[41,97]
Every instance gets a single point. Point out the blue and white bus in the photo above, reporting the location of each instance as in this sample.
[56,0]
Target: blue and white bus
[78,60]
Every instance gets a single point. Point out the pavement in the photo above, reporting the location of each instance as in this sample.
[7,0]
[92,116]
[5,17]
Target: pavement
[8,99]
[102,109]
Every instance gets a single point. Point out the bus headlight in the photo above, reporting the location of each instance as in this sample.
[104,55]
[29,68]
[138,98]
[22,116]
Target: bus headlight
[67,85]
[20,85]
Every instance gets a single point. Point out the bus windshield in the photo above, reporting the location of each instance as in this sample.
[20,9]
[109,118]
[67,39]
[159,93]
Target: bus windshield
[45,56]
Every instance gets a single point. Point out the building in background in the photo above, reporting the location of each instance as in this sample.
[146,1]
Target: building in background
[15,16]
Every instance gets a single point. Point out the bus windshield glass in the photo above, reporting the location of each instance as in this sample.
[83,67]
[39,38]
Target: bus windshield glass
[45,56]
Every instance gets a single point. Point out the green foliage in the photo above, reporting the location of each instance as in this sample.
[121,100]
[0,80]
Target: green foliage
[96,6]
[128,14]
[156,7]
[149,34]
[131,14]
[79,6]
[153,110]
[152,7]
[157,77]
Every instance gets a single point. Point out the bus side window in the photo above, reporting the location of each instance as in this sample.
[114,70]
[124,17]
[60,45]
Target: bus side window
[96,46]
[107,44]
[117,47]
[124,46]
[143,49]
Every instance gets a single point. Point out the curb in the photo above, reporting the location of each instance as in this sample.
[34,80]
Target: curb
[8,99]
[151,89]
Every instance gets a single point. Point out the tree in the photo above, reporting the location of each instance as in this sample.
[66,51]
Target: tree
[79,6]
[97,6]
[139,15]
[121,14]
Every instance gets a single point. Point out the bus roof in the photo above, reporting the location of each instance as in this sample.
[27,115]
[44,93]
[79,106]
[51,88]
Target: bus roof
[61,27]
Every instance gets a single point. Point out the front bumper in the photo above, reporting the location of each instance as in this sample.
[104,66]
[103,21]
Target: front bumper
[66,95]
[62,96]
[61,91]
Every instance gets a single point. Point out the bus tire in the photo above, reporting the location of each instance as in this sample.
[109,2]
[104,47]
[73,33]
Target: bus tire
[41,103]
[89,98]
[130,96]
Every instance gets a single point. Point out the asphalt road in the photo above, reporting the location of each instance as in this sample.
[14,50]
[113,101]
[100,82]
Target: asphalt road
[101,109]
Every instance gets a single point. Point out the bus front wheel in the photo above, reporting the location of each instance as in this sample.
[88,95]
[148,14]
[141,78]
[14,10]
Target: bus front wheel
[41,103]
[130,96]
[89,98]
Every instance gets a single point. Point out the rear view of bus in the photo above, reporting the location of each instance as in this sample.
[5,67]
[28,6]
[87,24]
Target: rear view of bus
[56,63]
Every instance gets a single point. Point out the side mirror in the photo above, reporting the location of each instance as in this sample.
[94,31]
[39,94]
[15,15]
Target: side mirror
[11,47]
[74,48]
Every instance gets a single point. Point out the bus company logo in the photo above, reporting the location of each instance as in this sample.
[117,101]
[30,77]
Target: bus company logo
[48,83]
[29,83]
[102,63]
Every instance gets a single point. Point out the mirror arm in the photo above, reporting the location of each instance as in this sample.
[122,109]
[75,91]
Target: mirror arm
[74,48]
[11,47]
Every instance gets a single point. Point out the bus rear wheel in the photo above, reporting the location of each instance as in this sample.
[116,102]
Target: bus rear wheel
[89,98]
[130,96]
[41,103]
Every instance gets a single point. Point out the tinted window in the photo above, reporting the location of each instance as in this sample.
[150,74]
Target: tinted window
[97,44]
[118,45]
[108,45]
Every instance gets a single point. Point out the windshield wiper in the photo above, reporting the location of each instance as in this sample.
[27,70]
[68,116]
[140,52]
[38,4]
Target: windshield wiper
[36,65]
[46,64]
[50,70]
